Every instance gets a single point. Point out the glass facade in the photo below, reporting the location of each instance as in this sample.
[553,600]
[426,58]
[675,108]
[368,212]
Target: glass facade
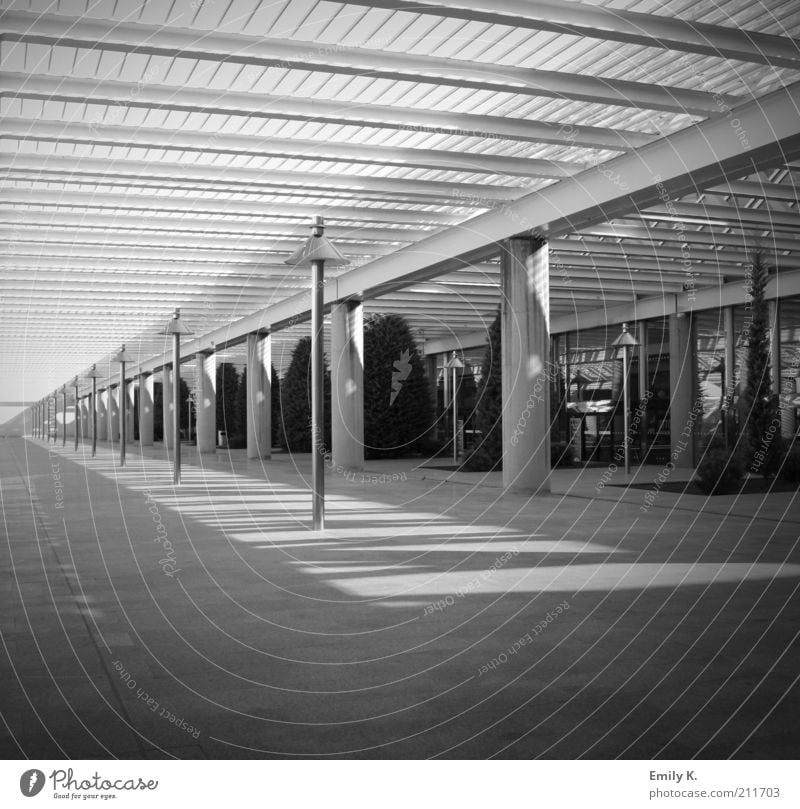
[587,418]
[591,421]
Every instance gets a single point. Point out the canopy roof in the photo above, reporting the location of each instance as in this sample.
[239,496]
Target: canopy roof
[174,154]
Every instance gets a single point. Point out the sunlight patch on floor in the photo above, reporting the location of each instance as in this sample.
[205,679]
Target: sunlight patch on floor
[563,578]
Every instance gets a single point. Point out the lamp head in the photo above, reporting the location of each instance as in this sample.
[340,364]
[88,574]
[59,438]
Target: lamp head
[317,248]
[176,325]
[625,340]
[123,356]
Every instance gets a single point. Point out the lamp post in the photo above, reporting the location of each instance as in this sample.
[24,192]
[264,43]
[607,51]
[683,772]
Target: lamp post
[316,253]
[625,342]
[77,412]
[64,415]
[176,327]
[454,363]
[94,375]
[122,358]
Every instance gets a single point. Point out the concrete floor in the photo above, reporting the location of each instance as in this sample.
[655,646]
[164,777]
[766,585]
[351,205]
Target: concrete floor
[431,618]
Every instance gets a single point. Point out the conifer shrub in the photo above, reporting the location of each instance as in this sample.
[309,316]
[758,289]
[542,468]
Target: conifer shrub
[398,410]
[294,427]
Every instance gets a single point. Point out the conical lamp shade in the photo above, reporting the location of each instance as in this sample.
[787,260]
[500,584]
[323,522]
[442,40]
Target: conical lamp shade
[317,248]
[123,356]
[177,326]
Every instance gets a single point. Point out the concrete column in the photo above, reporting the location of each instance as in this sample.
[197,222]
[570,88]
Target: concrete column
[206,404]
[146,410]
[130,392]
[85,421]
[525,325]
[64,417]
[347,384]
[168,406]
[113,414]
[681,384]
[102,415]
[259,396]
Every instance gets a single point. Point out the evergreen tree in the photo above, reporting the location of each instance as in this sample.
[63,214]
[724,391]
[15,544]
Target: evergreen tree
[488,454]
[240,408]
[761,433]
[184,407]
[294,430]
[398,411]
[276,406]
[227,388]
[158,411]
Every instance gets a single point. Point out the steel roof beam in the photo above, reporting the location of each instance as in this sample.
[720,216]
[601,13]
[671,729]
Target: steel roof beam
[612,25]
[91,227]
[268,107]
[708,237]
[298,181]
[321,151]
[120,37]
[687,161]
[209,205]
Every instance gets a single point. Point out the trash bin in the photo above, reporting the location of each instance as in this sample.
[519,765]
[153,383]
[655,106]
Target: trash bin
[222,439]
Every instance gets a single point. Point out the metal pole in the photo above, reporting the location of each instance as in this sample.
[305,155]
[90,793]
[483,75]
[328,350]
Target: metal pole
[317,401]
[176,406]
[643,385]
[77,415]
[94,417]
[455,419]
[123,412]
[625,409]
[64,414]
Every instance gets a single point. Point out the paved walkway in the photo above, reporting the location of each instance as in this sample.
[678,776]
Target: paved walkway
[433,617]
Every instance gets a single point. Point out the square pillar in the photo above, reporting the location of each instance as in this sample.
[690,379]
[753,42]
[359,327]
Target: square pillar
[102,415]
[168,407]
[347,384]
[146,410]
[85,402]
[206,404]
[681,384]
[113,414]
[72,424]
[259,396]
[129,405]
[525,327]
